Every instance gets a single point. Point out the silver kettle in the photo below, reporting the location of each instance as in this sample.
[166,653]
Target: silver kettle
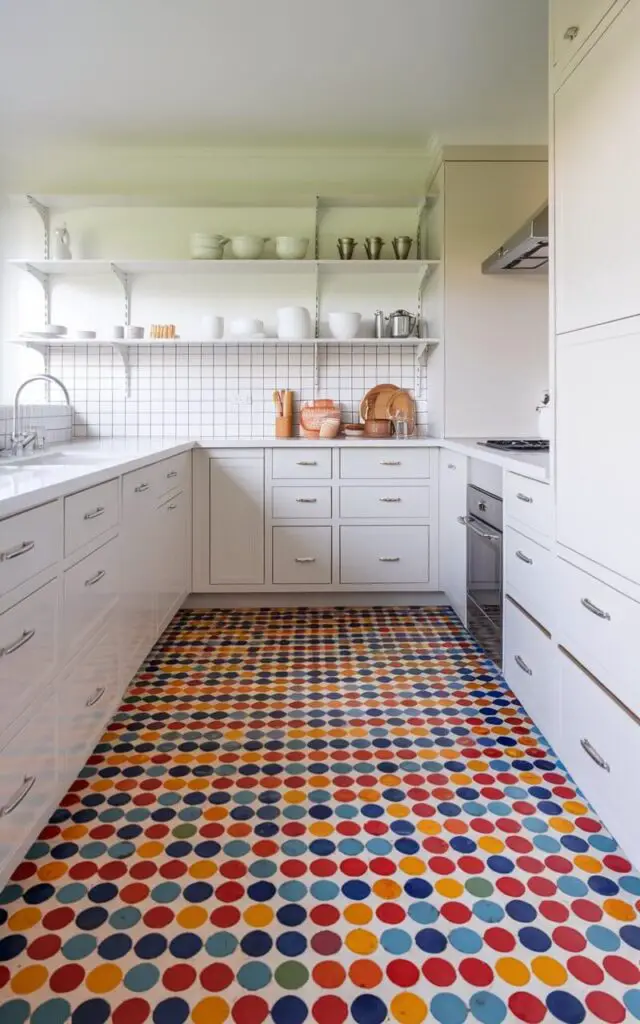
[401,324]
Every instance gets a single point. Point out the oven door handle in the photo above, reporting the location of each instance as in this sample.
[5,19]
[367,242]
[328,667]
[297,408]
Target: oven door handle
[469,522]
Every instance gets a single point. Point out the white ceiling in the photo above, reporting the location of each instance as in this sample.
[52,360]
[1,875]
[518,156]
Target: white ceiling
[269,71]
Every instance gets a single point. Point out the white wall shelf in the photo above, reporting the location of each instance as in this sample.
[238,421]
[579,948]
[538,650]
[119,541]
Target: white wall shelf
[84,268]
[227,199]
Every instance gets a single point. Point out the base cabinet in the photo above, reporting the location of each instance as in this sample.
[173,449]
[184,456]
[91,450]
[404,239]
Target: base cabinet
[87,691]
[236,520]
[453,535]
[529,669]
[173,555]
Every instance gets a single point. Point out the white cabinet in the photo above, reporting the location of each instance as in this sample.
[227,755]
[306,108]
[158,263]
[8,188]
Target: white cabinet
[302,554]
[528,571]
[528,506]
[89,513]
[384,554]
[138,580]
[236,519]
[453,535]
[87,689]
[528,669]
[392,463]
[173,555]
[91,591]
[597,168]
[384,501]
[29,542]
[598,485]
[301,464]
[296,502]
[28,650]
[572,24]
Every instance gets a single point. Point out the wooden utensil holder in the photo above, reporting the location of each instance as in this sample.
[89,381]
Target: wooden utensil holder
[284,426]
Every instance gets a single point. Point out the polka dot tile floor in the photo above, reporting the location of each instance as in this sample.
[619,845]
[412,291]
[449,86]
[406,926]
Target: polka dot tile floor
[322,816]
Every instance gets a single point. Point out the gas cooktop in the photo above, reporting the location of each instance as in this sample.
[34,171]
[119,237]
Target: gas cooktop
[518,444]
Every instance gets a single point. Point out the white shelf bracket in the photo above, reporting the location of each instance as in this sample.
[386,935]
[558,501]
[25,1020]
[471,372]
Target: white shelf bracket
[45,216]
[123,351]
[45,352]
[126,287]
[421,357]
[45,281]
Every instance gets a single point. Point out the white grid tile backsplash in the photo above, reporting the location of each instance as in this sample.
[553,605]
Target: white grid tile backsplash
[54,420]
[220,391]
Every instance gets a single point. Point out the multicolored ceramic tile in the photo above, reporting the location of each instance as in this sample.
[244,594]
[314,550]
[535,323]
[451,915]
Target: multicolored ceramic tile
[321,816]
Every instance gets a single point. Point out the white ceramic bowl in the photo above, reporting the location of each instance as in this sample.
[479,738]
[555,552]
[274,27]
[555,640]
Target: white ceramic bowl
[246,327]
[133,332]
[248,247]
[56,329]
[207,247]
[294,323]
[344,325]
[289,247]
[85,335]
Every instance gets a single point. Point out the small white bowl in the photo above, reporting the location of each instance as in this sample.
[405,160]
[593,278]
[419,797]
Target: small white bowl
[246,327]
[289,247]
[247,247]
[132,332]
[56,329]
[85,335]
[344,325]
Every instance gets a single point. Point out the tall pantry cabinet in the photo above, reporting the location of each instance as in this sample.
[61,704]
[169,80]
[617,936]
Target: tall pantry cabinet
[595,290]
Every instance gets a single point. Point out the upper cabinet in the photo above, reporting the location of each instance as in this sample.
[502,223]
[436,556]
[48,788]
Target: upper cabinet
[572,22]
[597,169]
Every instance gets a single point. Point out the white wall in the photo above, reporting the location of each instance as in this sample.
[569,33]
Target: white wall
[493,365]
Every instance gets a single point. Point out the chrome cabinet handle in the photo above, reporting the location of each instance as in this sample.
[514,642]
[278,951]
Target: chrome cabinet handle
[98,695]
[306,501]
[524,558]
[141,487]
[524,497]
[594,755]
[307,462]
[307,558]
[593,608]
[390,501]
[21,549]
[171,507]
[396,558]
[170,476]
[571,32]
[26,786]
[99,511]
[521,663]
[100,575]
[27,635]
[390,462]
[468,522]
[450,465]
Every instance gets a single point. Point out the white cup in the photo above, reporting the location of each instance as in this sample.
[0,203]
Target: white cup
[117,331]
[212,328]
[133,332]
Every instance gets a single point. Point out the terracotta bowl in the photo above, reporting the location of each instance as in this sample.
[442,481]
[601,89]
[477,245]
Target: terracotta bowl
[377,428]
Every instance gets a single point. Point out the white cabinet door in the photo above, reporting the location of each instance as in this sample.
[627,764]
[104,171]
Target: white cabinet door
[529,668]
[572,23]
[173,521]
[139,575]
[87,690]
[597,169]
[598,485]
[453,535]
[236,510]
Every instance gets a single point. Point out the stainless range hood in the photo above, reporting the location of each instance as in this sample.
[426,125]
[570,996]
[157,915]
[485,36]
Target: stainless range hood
[527,249]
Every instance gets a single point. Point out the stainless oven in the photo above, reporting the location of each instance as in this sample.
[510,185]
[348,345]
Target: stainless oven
[484,570]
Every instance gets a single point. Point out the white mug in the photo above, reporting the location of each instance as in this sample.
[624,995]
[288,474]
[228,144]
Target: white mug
[212,328]
[117,331]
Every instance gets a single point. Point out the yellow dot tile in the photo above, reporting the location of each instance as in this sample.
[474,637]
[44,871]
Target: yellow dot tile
[192,917]
[549,971]
[29,979]
[513,971]
[202,869]
[358,913]
[362,942]
[258,916]
[412,866]
[24,919]
[407,1008]
[449,888]
[104,978]
[619,910]
[212,1010]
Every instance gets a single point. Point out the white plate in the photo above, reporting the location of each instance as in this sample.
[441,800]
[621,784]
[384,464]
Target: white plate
[43,334]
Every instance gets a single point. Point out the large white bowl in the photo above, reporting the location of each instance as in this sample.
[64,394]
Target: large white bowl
[246,327]
[288,247]
[344,325]
[247,247]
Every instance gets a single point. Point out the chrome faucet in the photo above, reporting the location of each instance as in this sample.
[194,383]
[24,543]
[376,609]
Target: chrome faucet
[19,440]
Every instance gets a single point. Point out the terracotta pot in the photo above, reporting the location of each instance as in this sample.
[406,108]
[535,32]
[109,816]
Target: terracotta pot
[377,428]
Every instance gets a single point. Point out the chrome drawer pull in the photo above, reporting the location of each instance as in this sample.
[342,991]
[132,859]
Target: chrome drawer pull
[524,558]
[308,558]
[593,608]
[395,559]
[98,695]
[522,664]
[450,465]
[524,497]
[141,487]
[571,33]
[390,500]
[390,462]
[21,549]
[100,575]
[26,786]
[594,755]
[99,511]
[170,508]
[170,476]
[306,501]
[307,462]
[17,644]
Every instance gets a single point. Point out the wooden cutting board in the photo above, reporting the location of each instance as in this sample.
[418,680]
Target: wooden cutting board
[374,404]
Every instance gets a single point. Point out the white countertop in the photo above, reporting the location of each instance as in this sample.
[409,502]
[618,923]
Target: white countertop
[27,484]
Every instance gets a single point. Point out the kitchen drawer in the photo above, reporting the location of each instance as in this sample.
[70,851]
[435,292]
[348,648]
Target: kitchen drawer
[302,554]
[384,554]
[301,502]
[385,463]
[91,589]
[382,501]
[28,646]
[141,487]
[528,669]
[600,745]
[528,505]
[173,474]
[89,513]
[28,777]
[598,624]
[528,571]
[29,542]
[301,464]
[87,690]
